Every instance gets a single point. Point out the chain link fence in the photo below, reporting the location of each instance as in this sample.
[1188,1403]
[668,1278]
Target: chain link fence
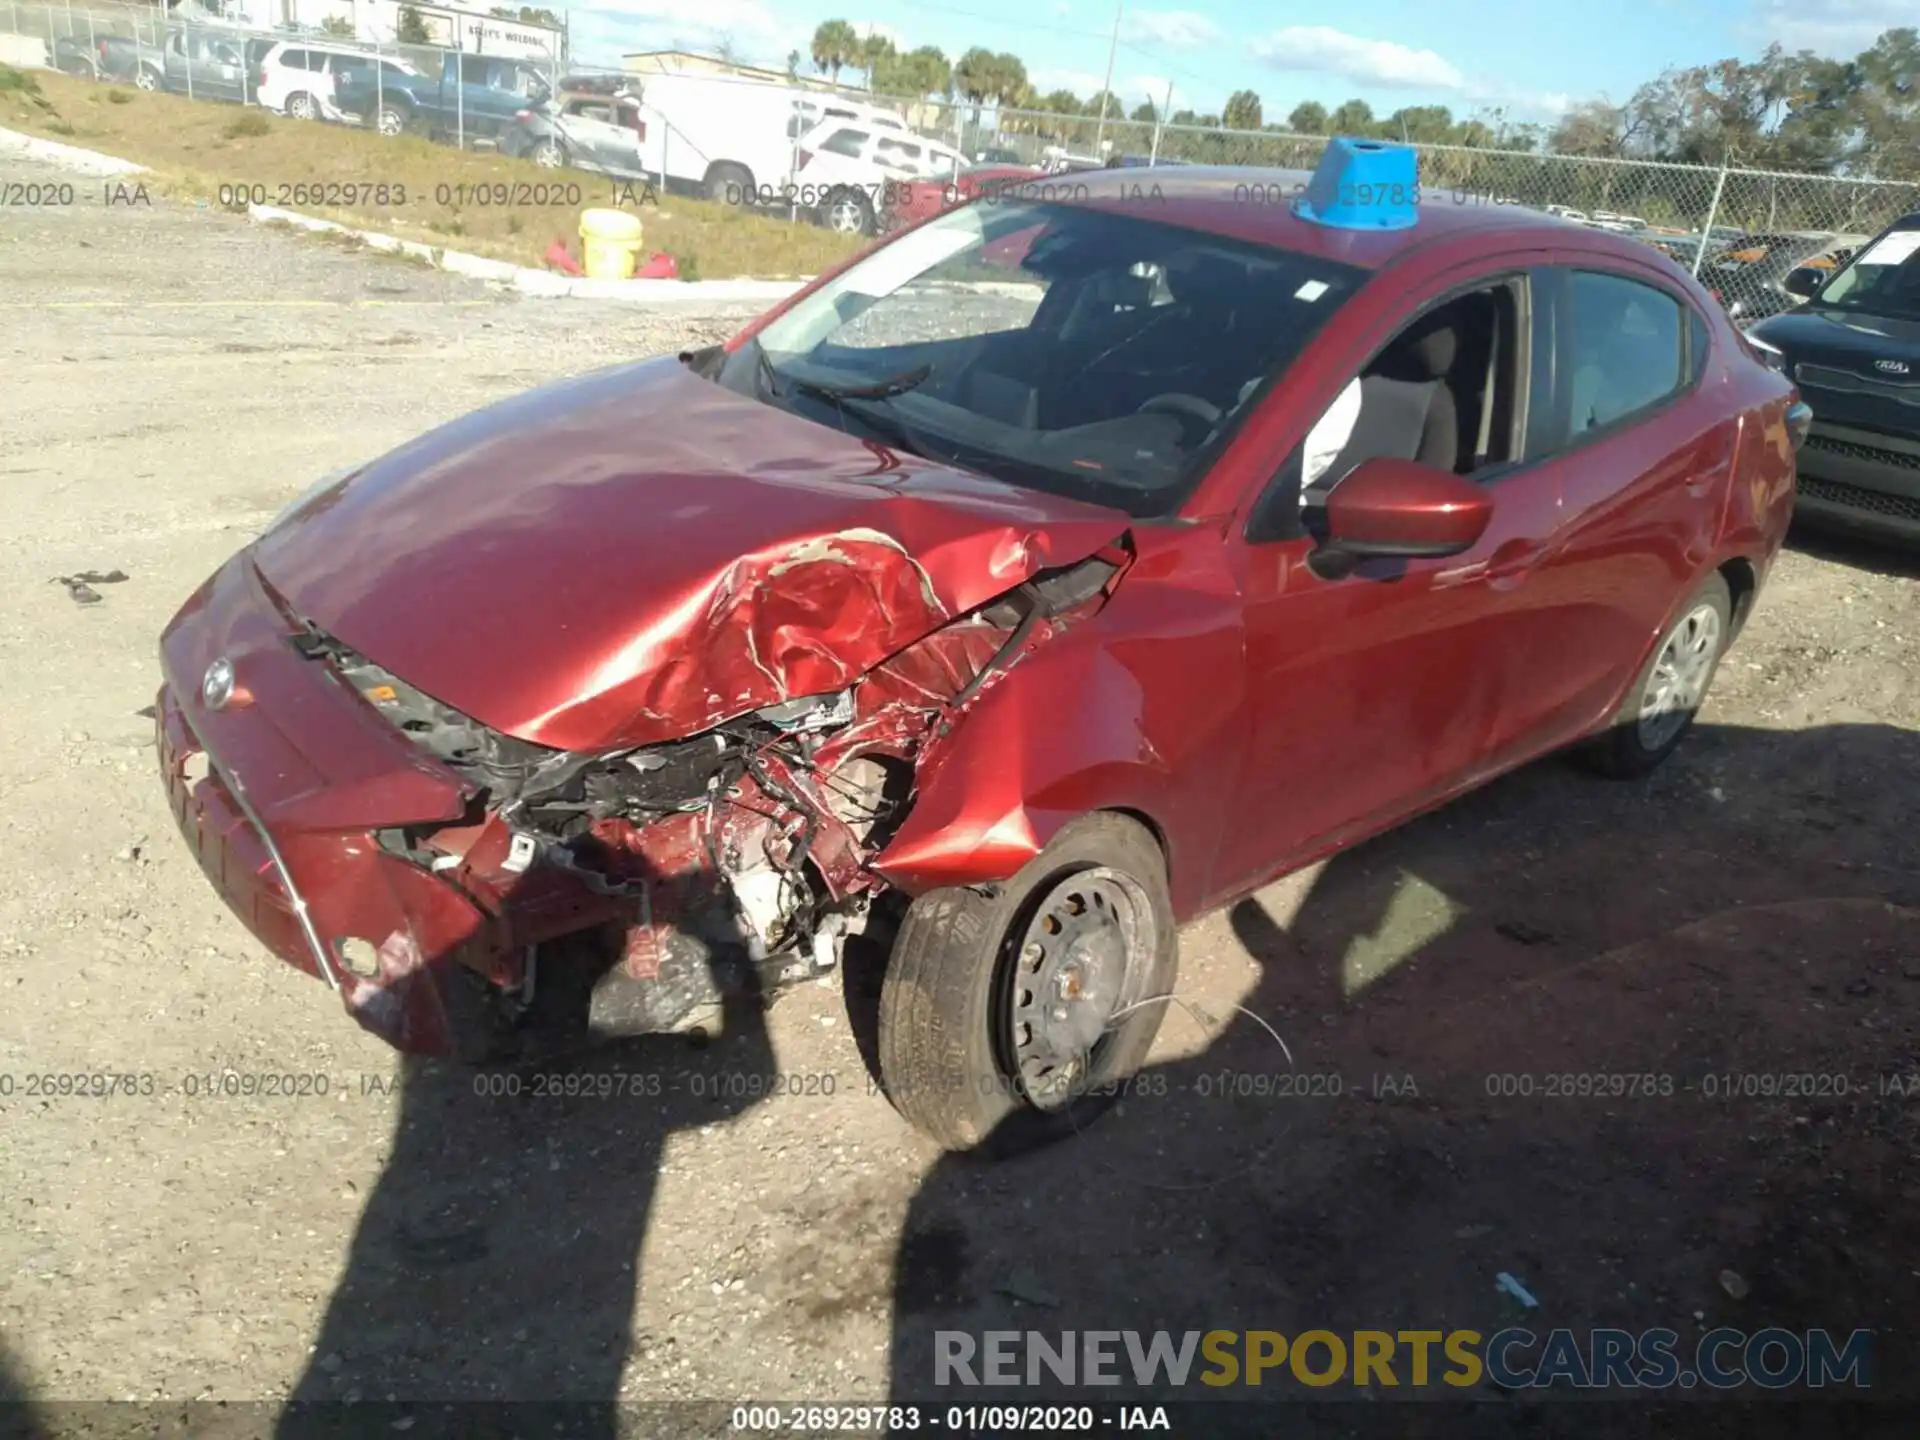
[1741,231]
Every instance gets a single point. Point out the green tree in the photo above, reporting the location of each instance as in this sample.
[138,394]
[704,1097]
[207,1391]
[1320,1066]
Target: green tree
[977,78]
[1144,113]
[412,29]
[916,74]
[1309,117]
[337,25]
[834,48]
[1421,125]
[1355,117]
[873,52]
[1243,111]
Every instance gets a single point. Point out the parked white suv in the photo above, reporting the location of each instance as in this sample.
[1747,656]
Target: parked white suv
[845,171]
[297,77]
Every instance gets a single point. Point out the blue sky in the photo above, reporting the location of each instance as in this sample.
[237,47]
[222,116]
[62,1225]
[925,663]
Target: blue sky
[1529,57]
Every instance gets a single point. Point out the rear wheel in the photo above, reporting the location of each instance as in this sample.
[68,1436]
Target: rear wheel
[303,107]
[848,212]
[392,120]
[146,79]
[729,184]
[1008,1021]
[549,155]
[1660,708]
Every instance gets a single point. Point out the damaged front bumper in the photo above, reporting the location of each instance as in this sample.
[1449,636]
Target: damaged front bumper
[455,885]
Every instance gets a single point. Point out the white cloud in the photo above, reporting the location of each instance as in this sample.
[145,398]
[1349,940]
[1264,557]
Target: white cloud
[1176,29]
[1136,88]
[1080,82]
[1063,9]
[612,28]
[1837,28]
[1384,63]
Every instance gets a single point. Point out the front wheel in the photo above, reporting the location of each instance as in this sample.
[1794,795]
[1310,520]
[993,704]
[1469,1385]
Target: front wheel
[1668,693]
[1011,1021]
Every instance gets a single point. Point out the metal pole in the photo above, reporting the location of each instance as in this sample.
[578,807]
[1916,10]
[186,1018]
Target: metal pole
[459,88]
[1713,210]
[1153,155]
[1106,88]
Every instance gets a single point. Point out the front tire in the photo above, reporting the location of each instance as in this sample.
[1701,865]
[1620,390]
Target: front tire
[1010,1021]
[1668,693]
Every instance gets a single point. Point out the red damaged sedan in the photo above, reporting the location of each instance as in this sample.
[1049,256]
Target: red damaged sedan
[1047,576]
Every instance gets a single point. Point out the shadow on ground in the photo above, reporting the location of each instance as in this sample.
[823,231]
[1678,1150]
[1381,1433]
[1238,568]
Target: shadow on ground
[1583,1033]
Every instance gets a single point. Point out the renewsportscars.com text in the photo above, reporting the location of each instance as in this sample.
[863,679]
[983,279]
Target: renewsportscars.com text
[1514,1359]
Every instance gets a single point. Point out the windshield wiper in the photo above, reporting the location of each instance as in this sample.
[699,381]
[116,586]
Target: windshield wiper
[898,433]
[869,390]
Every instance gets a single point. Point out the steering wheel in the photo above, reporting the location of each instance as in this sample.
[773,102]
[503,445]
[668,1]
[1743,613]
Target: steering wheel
[1187,407]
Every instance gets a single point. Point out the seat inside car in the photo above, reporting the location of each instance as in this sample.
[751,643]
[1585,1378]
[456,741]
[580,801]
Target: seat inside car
[1425,396]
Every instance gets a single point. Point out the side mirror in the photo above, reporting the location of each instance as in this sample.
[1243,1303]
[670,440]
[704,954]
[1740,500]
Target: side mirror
[1803,280]
[1406,510]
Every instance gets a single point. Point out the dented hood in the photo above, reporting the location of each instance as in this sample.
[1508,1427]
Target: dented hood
[637,554]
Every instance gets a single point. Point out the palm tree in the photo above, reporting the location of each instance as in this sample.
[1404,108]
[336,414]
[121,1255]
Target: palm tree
[835,47]
[977,78]
[873,51]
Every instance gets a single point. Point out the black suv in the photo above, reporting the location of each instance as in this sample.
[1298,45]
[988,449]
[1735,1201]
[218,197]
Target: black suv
[1854,350]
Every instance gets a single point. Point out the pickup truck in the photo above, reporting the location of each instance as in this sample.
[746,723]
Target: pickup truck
[476,104]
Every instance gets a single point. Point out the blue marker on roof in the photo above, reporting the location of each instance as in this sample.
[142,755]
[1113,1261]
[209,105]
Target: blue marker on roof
[1363,185]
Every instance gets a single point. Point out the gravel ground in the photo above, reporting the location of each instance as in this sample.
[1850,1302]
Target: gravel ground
[173,377]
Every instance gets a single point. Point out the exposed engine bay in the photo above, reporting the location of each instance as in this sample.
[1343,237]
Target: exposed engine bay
[734,861]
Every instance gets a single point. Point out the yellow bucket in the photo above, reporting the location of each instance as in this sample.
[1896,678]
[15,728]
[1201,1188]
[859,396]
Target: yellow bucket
[609,244]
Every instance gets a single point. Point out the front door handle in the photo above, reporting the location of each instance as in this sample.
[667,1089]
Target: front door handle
[1513,562]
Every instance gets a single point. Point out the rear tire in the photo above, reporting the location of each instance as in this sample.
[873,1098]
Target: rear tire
[729,184]
[302,107]
[548,155]
[984,993]
[1668,693]
[392,120]
[848,212]
[145,79]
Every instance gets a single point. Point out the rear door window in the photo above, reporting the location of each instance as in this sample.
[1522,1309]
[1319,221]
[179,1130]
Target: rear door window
[1625,350]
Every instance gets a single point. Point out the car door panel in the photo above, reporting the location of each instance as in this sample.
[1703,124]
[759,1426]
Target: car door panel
[1374,692]
[1638,522]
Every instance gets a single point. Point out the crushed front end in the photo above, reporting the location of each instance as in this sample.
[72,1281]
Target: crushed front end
[472,894]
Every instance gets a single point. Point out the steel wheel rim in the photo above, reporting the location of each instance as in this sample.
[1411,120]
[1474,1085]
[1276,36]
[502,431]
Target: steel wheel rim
[301,108]
[389,123]
[547,157]
[1678,683]
[145,81]
[1075,966]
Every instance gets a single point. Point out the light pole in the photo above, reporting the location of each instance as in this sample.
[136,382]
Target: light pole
[1113,44]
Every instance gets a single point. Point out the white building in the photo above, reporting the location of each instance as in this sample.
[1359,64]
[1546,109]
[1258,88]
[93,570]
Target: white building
[453,24]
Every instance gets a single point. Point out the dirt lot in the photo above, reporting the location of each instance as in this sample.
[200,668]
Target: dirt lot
[204,152]
[173,377]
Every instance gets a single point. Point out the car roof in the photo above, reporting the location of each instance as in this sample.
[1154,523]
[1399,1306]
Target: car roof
[1255,204]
